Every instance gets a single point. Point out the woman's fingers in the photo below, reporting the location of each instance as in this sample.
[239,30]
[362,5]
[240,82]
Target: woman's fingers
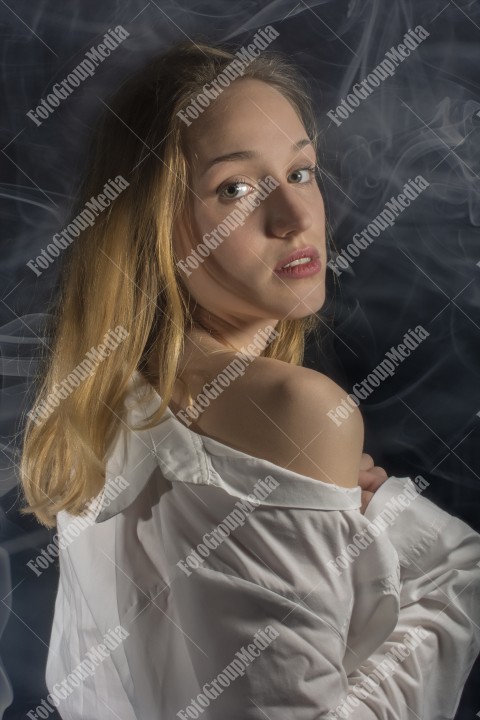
[366,462]
[370,476]
[373,478]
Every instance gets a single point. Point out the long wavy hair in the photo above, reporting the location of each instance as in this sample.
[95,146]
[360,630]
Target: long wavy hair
[121,274]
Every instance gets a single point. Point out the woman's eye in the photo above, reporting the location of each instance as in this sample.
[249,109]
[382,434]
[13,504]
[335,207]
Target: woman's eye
[229,190]
[309,174]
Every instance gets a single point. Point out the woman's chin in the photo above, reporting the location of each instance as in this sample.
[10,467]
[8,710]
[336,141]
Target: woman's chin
[308,304]
[302,308]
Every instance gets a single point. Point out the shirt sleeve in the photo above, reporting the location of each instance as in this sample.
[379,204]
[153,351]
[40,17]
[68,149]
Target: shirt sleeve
[269,620]
[440,593]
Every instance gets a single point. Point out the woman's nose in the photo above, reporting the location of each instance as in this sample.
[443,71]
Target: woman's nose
[288,212]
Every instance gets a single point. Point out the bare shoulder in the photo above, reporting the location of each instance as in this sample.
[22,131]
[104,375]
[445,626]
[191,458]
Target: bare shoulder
[318,441]
[287,414]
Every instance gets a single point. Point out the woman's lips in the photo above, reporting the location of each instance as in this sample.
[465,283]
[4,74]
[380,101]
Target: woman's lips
[300,271]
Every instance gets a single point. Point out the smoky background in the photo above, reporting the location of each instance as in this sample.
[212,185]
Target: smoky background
[424,270]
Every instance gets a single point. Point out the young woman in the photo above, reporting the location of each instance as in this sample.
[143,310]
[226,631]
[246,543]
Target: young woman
[226,549]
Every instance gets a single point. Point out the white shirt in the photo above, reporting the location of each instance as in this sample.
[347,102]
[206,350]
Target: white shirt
[279,621]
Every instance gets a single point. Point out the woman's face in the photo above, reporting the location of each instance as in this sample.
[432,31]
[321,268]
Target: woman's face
[236,282]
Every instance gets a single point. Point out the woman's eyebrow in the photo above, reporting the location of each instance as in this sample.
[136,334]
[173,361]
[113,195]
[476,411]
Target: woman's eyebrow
[248,154]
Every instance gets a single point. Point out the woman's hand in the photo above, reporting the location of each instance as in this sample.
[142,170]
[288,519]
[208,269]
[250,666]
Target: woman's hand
[370,478]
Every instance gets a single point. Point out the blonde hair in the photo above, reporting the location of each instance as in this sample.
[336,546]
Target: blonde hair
[121,274]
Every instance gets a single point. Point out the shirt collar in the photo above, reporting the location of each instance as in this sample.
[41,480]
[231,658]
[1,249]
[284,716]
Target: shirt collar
[182,455]
[135,455]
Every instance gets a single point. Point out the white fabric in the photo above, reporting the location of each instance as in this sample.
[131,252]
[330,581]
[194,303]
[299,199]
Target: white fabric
[331,628]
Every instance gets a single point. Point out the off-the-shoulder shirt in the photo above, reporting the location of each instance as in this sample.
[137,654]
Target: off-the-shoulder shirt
[208,583]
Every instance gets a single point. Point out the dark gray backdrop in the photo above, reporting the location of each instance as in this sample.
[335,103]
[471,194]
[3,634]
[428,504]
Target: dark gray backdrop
[424,119]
